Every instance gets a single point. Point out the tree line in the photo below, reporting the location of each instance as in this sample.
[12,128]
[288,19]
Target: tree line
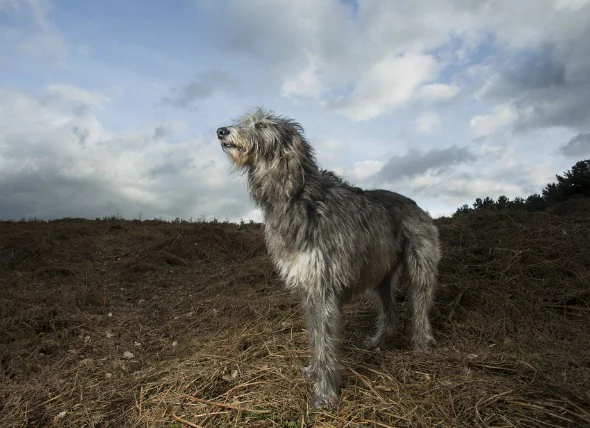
[575,183]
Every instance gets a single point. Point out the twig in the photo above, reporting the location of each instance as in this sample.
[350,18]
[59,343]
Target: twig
[224,405]
[379,424]
[185,422]
[543,409]
[368,384]
[140,399]
[242,385]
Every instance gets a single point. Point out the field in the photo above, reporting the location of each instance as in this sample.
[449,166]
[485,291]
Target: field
[114,323]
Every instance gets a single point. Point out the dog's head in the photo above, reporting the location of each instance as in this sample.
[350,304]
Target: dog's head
[261,137]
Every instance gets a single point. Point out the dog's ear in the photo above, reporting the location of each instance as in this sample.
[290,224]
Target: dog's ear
[293,135]
[298,155]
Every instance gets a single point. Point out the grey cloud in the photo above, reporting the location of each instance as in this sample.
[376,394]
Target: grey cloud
[47,194]
[530,71]
[416,162]
[58,165]
[202,87]
[161,132]
[80,134]
[577,147]
[548,85]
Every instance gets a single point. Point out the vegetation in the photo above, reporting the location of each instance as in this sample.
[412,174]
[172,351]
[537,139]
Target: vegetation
[573,184]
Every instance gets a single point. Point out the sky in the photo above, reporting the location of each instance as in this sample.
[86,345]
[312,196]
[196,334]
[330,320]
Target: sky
[110,107]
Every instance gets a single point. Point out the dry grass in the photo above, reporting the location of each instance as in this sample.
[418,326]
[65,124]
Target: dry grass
[152,324]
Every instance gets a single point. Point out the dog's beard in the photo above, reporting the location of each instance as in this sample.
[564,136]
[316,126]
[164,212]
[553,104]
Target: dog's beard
[238,156]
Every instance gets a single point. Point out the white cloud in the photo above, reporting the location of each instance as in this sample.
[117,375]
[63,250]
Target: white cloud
[391,82]
[76,94]
[428,122]
[450,189]
[305,82]
[47,45]
[45,41]
[485,125]
[365,169]
[350,60]
[330,152]
[572,5]
[438,92]
[475,187]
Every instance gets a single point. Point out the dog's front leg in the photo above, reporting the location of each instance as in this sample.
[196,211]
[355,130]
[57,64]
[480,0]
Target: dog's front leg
[325,320]
[309,371]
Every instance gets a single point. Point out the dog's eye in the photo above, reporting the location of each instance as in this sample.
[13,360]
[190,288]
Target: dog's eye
[260,125]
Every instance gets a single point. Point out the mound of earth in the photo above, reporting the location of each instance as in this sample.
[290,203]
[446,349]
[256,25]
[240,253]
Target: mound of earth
[153,324]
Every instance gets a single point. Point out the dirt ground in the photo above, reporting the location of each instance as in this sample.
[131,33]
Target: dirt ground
[116,323]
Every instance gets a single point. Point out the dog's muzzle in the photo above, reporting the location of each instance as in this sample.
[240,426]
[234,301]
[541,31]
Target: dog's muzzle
[222,133]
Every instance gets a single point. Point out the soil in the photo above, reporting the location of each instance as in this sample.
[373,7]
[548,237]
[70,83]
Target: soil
[115,323]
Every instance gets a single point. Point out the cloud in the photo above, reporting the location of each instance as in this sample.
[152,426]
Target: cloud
[427,122]
[54,164]
[534,70]
[464,188]
[485,125]
[31,31]
[78,95]
[416,162]
[389,83]
[367,58]
[438,92]
[330,153]
[546,80]
[35,9]
[46,45]
[364,170]
[202,87]
[500,172]
[348,60]
[355,73]
[577,147]
[572,5]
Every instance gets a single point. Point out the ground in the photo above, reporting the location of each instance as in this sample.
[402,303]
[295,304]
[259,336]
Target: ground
[114,323]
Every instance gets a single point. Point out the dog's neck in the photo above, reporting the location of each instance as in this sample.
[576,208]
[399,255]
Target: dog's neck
[278,183]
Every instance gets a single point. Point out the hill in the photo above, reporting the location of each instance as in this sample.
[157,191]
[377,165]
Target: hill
[127,324]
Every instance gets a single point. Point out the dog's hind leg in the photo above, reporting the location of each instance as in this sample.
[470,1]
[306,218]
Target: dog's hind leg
[387,319]
[422,260]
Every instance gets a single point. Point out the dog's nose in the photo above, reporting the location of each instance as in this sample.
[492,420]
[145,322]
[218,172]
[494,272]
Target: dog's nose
[222,133]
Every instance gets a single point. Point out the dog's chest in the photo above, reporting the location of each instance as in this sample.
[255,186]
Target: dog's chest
[298,268]
[304,269]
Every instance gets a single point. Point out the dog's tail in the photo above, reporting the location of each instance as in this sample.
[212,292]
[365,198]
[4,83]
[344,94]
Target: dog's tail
[421,262]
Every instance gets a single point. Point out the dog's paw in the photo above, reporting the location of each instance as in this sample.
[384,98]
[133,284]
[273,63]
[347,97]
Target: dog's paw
[423,344]
[328,401]
[373,343]
[308,371]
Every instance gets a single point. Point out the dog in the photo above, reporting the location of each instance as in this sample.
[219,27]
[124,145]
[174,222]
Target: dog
[330,240]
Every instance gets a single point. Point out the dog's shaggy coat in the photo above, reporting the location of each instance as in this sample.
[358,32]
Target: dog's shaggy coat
[330,240]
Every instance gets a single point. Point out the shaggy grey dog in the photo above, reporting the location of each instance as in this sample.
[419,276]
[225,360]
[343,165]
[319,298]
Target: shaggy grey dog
[330,240]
